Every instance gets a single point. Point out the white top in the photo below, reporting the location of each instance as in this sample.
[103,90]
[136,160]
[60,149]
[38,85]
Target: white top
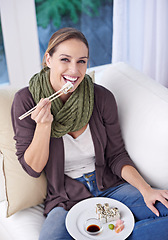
[79,154]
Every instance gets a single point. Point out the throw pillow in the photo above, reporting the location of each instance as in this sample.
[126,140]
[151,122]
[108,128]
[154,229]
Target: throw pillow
[22,190]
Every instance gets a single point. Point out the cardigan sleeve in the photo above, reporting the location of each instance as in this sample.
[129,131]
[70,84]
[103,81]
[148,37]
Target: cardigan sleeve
[115,152]
[23,129]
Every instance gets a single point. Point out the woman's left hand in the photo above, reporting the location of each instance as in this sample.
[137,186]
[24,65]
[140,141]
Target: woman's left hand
[152,195]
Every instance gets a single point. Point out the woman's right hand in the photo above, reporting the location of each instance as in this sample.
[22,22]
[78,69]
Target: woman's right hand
[42,114]
[36,155]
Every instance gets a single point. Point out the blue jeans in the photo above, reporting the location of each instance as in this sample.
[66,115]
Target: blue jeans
[147,227]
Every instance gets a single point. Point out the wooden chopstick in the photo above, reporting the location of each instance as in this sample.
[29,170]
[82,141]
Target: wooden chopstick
[67,87]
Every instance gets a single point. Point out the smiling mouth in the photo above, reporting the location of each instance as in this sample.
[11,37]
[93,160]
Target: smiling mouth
[70,79]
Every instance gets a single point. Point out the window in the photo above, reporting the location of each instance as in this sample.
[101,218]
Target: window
[4,79]
[92,17]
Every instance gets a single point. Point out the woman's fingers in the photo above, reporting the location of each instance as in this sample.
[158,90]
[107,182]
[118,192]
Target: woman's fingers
[157,195]
[153,209]
[42,113]
[47,116]
[165,195]
[163,198]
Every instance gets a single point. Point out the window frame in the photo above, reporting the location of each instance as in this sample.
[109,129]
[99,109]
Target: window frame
[19,29]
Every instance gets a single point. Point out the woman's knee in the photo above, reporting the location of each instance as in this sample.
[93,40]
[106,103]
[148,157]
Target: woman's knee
[54,225]
[150,229]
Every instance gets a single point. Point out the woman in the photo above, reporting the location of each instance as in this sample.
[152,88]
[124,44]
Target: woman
[77,141]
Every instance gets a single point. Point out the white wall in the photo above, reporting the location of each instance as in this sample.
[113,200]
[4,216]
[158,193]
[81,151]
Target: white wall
[19,27]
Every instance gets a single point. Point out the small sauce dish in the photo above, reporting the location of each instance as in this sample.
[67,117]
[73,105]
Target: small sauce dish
[93,226]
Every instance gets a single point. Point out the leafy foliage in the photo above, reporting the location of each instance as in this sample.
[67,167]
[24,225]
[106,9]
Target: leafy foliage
[55,10]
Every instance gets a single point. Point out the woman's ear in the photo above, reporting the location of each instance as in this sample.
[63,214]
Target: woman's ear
[48,59]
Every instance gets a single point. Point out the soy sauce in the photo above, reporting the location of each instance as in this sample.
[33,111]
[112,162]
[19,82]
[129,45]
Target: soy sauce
[93,228]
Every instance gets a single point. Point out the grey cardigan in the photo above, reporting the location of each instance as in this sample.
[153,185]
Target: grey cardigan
[110,153]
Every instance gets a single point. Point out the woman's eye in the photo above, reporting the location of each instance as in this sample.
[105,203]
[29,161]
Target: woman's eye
[64,59]
[82,61]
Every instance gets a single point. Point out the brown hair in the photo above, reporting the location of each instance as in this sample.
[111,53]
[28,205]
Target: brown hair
[61,36]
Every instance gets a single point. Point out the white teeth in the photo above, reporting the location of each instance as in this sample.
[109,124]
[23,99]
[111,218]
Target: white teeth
[70,78]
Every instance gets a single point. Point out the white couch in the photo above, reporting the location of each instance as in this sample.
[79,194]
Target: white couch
[143,114]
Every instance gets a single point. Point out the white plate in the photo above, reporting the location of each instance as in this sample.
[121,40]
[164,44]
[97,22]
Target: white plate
[85,209]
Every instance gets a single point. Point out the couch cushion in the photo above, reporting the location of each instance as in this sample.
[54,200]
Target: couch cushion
[24,225]
[22,191]
[143,114]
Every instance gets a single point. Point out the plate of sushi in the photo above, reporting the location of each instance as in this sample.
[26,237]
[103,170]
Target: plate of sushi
[100,218]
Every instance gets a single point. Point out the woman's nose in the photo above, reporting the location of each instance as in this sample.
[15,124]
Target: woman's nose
[73,68]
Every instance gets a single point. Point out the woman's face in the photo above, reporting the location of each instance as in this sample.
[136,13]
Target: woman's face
[68,63]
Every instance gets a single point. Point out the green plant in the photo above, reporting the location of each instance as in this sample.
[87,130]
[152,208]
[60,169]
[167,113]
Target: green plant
[55,10]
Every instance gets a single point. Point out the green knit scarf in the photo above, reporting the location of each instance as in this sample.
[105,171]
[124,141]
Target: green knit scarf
[72,115]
